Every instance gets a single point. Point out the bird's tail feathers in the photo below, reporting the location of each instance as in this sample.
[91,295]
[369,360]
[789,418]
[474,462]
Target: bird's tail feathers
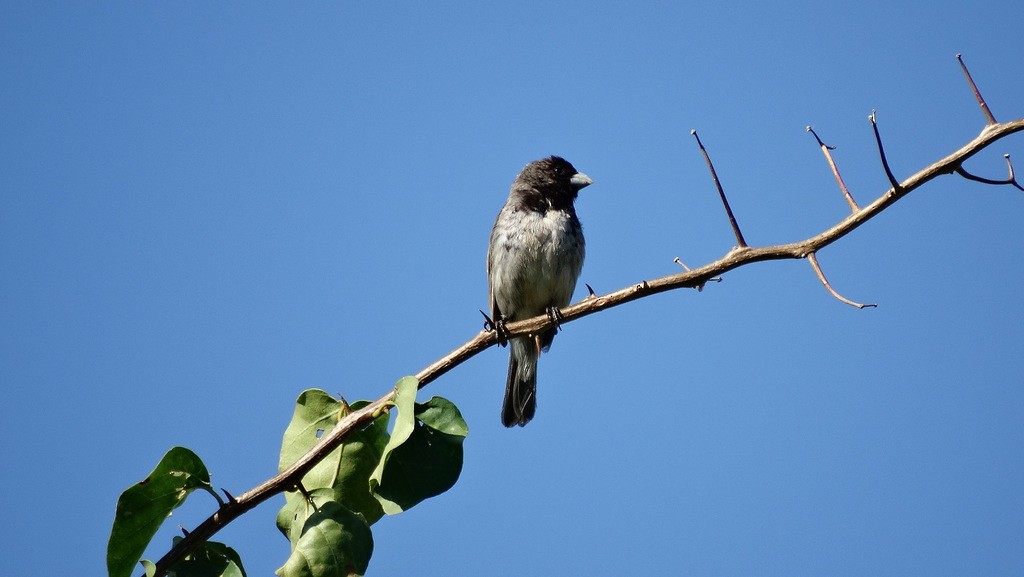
[521,386]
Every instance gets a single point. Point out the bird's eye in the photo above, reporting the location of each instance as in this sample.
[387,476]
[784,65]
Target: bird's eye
[560,170]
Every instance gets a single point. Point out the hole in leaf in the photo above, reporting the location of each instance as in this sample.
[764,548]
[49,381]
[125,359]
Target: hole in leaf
[319,433]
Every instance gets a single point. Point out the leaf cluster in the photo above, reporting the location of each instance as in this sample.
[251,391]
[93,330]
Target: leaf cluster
[327,516]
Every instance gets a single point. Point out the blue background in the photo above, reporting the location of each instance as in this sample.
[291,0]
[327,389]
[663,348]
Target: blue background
[206,208]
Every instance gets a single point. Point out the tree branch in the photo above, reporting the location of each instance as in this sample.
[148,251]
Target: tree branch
[977,93]
[813,259]
[721,192]
[291,478]
[691,278]
[827,150]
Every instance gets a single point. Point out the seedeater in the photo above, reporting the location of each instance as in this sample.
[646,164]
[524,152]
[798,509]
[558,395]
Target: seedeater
[533,260]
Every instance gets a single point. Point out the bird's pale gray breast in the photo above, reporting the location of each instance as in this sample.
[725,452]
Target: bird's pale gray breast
[538,256]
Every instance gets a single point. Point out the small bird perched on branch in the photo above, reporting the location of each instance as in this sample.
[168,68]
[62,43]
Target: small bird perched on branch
[533,260]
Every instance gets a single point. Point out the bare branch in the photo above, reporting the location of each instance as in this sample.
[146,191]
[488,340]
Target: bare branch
[701,286]
[290,478]
[835,170]
[1009,180]
[977,94]
[813,259]
[721,193]
[881,153]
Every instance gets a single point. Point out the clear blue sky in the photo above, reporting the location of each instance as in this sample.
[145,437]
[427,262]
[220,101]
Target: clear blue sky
[206,208]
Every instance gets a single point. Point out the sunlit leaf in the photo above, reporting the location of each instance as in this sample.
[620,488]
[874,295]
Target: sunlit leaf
[142,508]
[429,462]
[333,541]
[346,470]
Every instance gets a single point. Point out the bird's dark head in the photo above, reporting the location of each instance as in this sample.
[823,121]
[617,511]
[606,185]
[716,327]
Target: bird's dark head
[552,181]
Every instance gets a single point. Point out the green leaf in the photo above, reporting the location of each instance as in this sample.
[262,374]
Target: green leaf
[316,413]
[298,511]
[405,424]
[142,508]
[209,559]
[428,463]
[346,470]
[333,542]
[442,415]
[232,570]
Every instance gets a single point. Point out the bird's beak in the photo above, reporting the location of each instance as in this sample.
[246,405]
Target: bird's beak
[580,180]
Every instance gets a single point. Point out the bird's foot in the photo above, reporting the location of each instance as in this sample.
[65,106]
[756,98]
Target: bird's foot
[498,326]
[556,316]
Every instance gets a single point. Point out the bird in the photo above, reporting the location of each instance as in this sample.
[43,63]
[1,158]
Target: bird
[534,258]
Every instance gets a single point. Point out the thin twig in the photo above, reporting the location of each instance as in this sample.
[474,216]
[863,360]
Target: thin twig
[813,259]
[835,170]
[679,262]
[881,153]
[1012,180]
[721,193]
[977,93]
